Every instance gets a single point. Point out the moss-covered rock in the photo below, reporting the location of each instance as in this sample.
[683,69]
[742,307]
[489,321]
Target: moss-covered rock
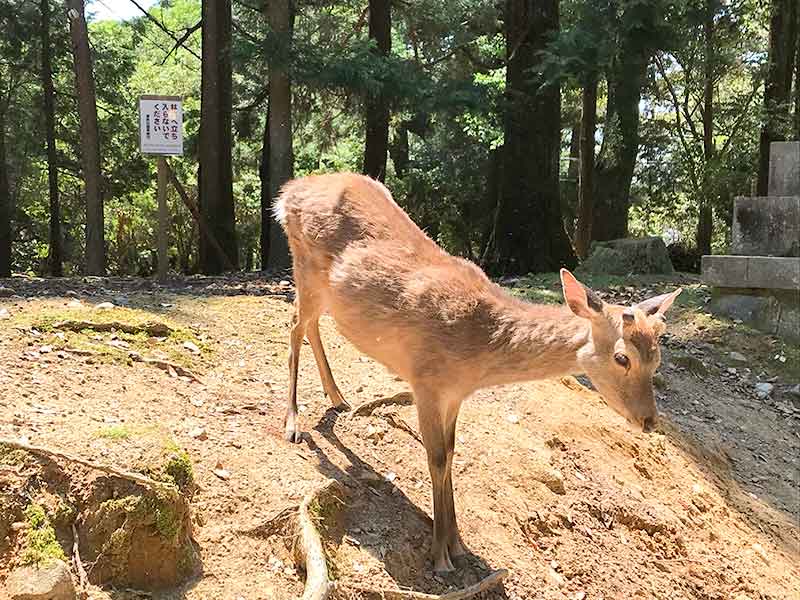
[627,256]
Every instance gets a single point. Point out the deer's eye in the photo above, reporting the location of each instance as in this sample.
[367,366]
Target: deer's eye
[622,360]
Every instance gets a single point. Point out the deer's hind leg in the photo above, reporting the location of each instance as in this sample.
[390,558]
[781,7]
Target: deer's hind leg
[328,383]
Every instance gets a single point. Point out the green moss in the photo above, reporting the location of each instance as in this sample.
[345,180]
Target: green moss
[177,467]
[41,544]
[114,432]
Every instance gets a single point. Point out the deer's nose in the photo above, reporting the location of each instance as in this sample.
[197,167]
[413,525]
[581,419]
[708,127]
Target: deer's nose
[648,424]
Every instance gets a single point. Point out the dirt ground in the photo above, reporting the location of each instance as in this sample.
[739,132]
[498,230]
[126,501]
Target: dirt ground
[549,483]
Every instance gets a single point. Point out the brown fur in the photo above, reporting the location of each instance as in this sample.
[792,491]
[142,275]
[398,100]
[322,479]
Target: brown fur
[439,322]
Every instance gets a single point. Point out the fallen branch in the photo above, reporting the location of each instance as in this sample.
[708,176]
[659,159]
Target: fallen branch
[83,579]
[401,399]
[484,584]
[151,328]
[143,480]
[395,420]
[165,365]
[309,544]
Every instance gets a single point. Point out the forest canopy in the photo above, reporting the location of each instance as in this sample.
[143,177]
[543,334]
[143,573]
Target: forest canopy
[514,132]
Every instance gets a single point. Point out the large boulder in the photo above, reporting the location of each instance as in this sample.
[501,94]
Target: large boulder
[629,255]
[48,581]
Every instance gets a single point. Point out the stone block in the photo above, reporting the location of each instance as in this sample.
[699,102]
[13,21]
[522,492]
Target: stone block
[630,255]
[784,169]
[758,272]
[766,226]
[776,312]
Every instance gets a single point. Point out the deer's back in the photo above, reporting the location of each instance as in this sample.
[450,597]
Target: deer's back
[391,290]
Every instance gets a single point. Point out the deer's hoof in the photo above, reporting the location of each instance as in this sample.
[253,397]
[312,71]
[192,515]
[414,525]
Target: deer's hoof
[339,403]
[292,435]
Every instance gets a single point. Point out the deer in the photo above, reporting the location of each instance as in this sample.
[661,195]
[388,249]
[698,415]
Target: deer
[440,324]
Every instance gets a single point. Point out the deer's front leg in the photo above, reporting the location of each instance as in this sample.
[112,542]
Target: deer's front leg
[432,427]
[291,432]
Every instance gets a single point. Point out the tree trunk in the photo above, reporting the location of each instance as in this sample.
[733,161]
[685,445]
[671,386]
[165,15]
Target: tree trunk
[399,150]
[617,157]
[377,113]
[569,191]
[281,153]
[705,221]
[583,232]
[90,141]
[55,258]
[216,175]
[266,197]
[530,234]
[777,88]
[797,82]
[5,199]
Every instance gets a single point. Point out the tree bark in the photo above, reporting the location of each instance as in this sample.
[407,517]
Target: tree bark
[55,257]
[530,234]
[5,197]
[90,141]
[778,85]
[281,152]
[583,231]
[705,221]
[377,104]
[216,172]
[266,196]
[617,157]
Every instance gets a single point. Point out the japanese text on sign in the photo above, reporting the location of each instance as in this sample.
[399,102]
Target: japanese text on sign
[161,125]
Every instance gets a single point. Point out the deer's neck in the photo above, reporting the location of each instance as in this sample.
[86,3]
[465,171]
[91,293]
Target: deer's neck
[532,342]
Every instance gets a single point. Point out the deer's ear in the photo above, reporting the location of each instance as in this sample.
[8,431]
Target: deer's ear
[659,304]
[582,301]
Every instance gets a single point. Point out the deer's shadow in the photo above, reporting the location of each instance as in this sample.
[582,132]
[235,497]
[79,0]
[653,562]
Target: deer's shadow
[381,520]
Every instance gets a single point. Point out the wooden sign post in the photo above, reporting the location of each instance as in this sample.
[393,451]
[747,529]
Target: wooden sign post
[161,134]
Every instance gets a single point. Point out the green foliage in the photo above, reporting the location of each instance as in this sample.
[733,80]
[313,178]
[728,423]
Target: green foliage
[41,544]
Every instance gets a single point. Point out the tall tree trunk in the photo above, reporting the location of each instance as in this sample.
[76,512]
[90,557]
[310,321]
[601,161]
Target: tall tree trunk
[530,234]
[797,82]
[583,232]
[569,192]
[266,196]
[705,221]
[5,197]
[281,154]
[377,113]
[55,258]
[90,141]
[216,174]
[617,158]
[777,102]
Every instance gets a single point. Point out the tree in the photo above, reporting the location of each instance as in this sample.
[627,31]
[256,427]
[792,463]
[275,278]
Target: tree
[5,192]
[216,170]
[90,142]
[583,229]
[279,15]
[639,29]
[377,103]
[55,257]
[783,32]
[530,234]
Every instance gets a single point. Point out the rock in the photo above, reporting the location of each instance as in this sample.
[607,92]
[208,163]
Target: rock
[512,419]
[50,581]
[4,314]
[6,292]
[191,347]
[104,305]
[629,255]
[74,304]
[690,363]
[121,301]
[764,389]
[794,391]
[738,357]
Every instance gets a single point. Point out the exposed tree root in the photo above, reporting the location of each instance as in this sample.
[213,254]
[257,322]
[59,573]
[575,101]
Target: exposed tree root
[484,584]
[401,399]
[274,525]
[83,579]
[143,480]
[151,328]
[165,365]
[308,546]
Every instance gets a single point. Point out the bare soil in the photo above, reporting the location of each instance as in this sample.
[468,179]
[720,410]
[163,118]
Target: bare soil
[550,483]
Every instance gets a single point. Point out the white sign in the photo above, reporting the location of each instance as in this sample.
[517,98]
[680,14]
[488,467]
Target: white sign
[161,125]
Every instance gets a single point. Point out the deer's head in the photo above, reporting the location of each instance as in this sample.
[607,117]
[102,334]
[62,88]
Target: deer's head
[623,352]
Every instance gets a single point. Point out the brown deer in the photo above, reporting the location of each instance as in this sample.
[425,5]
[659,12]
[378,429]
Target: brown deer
[439,323]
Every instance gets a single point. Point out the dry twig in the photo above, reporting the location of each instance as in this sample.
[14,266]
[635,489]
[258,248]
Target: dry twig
[484,584]
[165,365]
[401,399]
[83,580]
